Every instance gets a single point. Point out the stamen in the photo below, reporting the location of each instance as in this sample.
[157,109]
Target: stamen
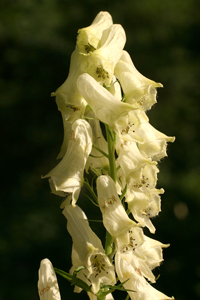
[74,107]
[89,48]
[99,265]
[101,72]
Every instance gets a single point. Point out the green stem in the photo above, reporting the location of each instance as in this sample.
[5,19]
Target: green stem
[108,244]
[101,298]
[111,140]
[86,184]
[127,297]
[101,151]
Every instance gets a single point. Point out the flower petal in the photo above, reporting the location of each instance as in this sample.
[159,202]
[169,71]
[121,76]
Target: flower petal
[152,249]
[154,142]
[130,159]
[115,218]
[69,101]
[84,239]
[101,62]
[88,38]
[87,249]
[136,282]
[137,88]
[67,176]
[106,107]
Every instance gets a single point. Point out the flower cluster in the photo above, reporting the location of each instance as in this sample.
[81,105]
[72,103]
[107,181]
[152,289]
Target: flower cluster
[107,133]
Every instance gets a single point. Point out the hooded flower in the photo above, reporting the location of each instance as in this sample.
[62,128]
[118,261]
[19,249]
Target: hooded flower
[151,142]
[154,143]
[152,250]
[128,237]
[67,176]
[101,62]
[142,196]
[141,289]
[88,250]
[130,160]
[106,107]
[147,207]
[68,93]
[130,131]
[101,44]
[124,231]
[47,284]
[69,101]
[88,38]
[136,87]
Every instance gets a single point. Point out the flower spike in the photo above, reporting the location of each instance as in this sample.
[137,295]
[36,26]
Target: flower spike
[112,150]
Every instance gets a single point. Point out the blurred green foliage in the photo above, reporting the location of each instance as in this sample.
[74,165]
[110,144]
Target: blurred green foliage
[37,39]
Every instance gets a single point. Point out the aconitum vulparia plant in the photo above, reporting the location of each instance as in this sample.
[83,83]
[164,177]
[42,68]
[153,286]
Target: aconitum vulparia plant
[110,149]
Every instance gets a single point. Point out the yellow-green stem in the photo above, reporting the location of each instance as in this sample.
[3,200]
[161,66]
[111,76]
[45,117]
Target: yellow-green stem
[111,140]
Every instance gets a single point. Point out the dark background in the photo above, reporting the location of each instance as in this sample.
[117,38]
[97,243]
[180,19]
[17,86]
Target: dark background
[37,39]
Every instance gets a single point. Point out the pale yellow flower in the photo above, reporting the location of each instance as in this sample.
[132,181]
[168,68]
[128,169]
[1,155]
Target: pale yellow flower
[106,107]
[136,87]
[88,38]
[67,176]
[87,250]
[141,288]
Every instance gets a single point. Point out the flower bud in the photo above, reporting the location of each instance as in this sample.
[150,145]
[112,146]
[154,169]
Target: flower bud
[47,284]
